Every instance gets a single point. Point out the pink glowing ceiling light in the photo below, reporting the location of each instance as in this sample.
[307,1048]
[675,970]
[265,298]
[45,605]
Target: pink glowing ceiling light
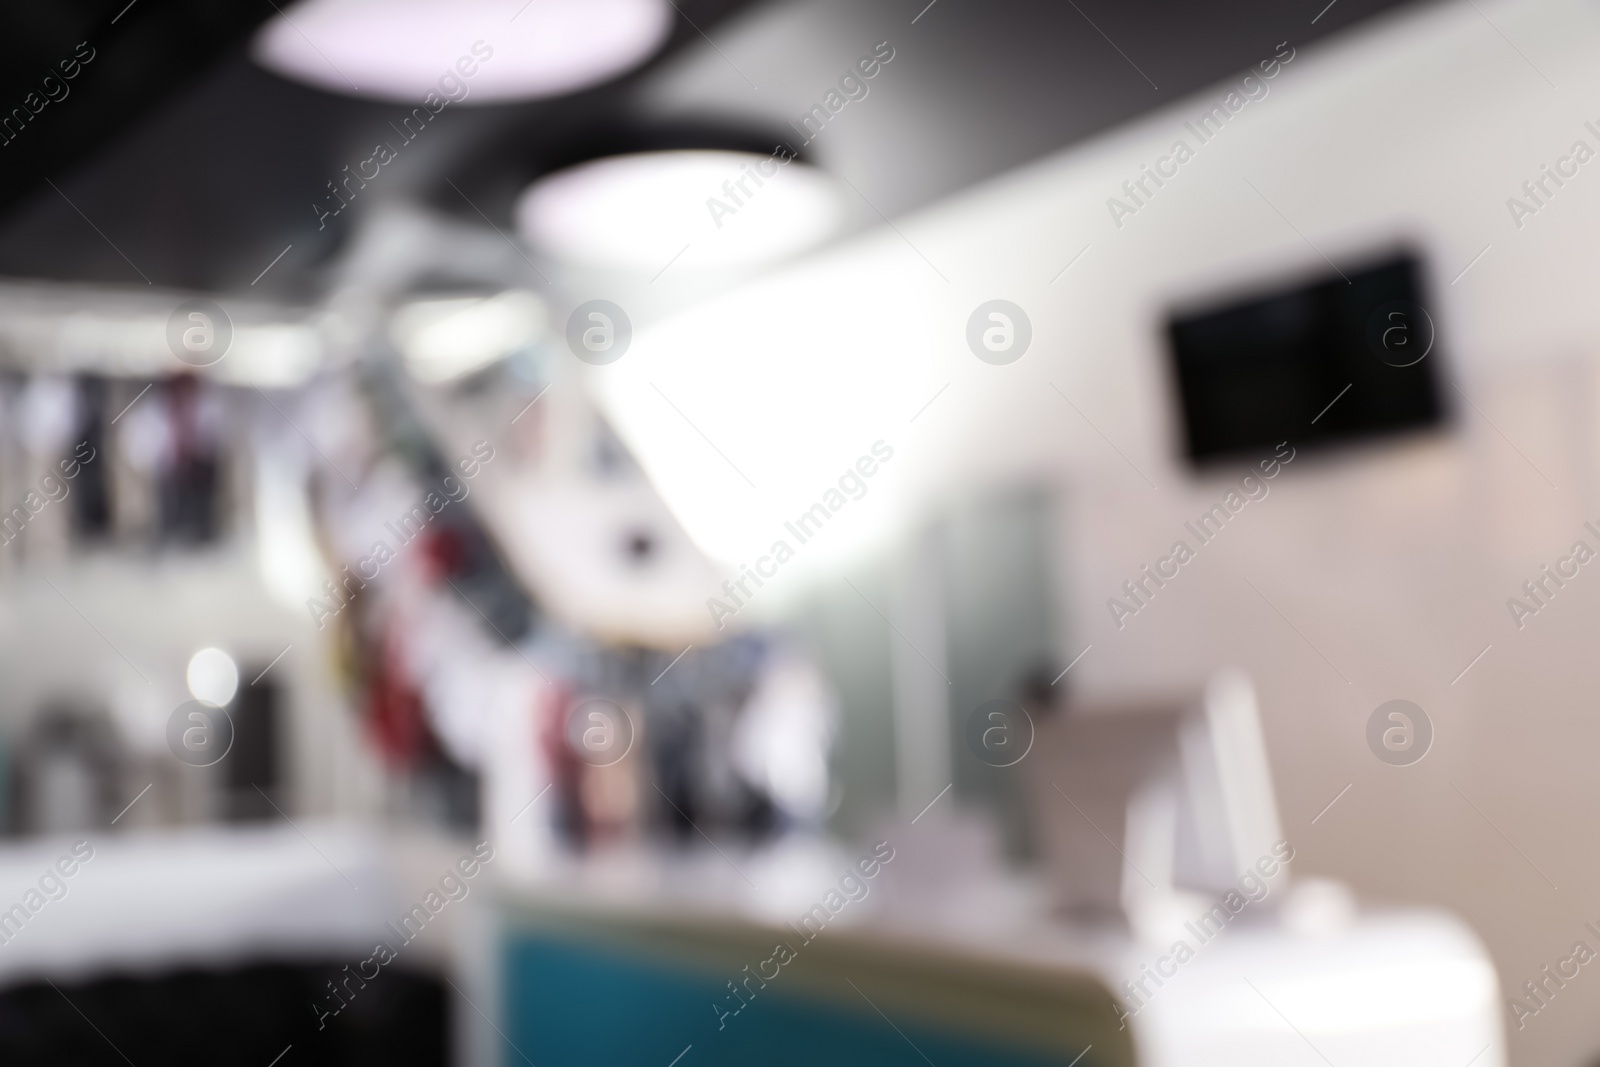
[463,51]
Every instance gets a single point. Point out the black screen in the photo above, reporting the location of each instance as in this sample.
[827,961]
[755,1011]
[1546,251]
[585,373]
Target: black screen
[1267,369]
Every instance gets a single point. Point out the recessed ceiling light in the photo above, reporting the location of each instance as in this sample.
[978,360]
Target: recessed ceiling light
[444,338]
[682,208]
[466,51]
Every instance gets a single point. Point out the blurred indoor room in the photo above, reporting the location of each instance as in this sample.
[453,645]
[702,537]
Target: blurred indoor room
[690,532]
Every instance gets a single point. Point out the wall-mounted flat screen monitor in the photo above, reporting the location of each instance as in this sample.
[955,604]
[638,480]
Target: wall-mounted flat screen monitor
[1344,357]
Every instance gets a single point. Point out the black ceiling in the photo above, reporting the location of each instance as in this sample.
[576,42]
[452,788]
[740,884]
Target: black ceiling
[174,160]
[177,161]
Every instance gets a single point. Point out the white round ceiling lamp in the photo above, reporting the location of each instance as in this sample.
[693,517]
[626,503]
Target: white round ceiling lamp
[685,209]
[463,51]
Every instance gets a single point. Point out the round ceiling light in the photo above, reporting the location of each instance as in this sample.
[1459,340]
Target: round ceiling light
[652,210]
[463,51]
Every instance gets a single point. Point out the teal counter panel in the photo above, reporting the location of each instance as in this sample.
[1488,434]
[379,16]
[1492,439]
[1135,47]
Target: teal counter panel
[572,1003]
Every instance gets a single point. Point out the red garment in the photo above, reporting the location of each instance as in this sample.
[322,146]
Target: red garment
[394,710]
